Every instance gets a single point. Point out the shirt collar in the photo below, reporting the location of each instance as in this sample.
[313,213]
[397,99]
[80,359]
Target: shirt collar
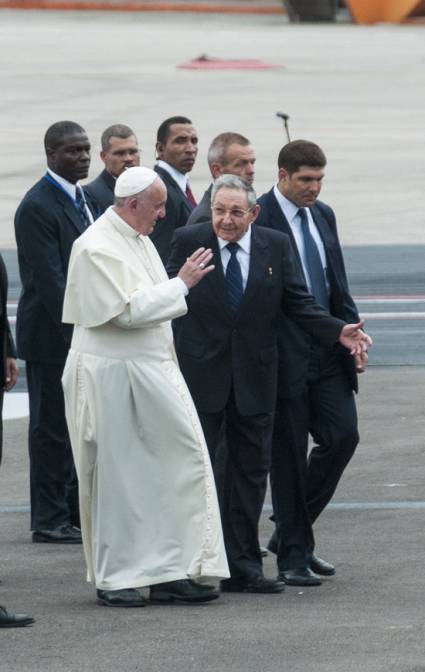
[180,178]
[66,186]
[290,210]
[120,224]
[244,243]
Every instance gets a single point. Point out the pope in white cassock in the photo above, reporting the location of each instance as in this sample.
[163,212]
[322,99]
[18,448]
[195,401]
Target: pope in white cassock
[149,512]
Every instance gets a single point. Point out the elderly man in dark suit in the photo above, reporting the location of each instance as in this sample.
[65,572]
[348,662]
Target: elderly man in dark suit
[120,151]
[9,376]
[50,217]
[229,153]
[227,349]
[176,149]
[316,382]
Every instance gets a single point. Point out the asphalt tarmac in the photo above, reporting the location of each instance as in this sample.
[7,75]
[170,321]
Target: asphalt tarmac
[360,93]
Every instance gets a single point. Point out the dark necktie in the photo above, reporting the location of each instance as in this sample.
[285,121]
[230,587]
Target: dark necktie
[81,207]
[314,263]
[234,277]
[190,197]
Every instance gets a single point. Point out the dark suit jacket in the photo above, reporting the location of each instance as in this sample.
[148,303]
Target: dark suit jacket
[295,345]
[101,191]
[202,212]
[217,349]
[177,211]
[46,225]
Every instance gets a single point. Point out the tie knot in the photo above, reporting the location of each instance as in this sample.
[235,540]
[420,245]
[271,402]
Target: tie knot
[302,212]
[233,248]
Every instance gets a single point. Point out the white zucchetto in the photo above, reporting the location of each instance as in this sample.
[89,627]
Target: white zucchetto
[134,180]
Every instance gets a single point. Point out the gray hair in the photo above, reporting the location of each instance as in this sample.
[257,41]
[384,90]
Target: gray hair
[217,152]
[116,131]
[234,182]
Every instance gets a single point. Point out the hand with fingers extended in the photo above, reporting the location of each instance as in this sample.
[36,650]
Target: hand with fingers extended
[355,339]
[196,267]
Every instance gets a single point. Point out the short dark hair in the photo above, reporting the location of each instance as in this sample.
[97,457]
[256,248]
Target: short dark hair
[115,131]
[164,129]
[300,153]
[217,152]
[56,133]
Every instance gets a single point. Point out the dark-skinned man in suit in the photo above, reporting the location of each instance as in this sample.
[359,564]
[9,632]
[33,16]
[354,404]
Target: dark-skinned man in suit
[227,350]
[120,151]
[316,382]
[50,217]
[176,150]
[8,375]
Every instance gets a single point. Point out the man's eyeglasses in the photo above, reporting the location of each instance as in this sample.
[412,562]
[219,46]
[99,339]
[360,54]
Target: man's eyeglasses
[235,213]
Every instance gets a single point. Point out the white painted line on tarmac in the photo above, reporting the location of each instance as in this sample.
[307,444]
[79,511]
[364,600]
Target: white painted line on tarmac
[15,405]
[414,315]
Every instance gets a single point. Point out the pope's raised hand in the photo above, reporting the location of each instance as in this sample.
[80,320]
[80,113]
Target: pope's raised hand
[196,266]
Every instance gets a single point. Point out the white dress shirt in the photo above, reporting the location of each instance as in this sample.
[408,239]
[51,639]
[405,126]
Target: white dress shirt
[290,210]
[71,190]
[243,254]
[181,179]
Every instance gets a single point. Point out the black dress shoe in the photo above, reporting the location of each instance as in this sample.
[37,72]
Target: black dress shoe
[255,584]
[272,545]
[184,591]
[127,597]
[320,566]
[64,534]
[300,576]
[10,620]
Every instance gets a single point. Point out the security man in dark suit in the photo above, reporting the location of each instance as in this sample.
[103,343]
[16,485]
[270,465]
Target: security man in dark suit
[229,153]
[227,350]
[50,217]
[120,151]
[8,375]
[316,382]
[176,149]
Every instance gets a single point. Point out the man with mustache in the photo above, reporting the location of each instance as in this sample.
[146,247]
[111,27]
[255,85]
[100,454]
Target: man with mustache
[176,148]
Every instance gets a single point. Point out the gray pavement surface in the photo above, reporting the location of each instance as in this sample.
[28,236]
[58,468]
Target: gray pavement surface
[369,618]
[360,93]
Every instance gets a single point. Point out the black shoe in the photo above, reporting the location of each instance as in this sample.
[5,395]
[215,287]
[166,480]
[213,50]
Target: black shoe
[10,620]
[264,552]
[255,584]
[300,576]
[183,591]
[127,597]
[319,566]
[273,541]
[64,534]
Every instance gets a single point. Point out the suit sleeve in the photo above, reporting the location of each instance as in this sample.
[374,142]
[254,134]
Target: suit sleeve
[349,308]
[301,307]
[37,239]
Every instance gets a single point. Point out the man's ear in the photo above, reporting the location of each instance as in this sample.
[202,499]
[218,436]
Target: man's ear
[216,170]
[256,212]
[159,148]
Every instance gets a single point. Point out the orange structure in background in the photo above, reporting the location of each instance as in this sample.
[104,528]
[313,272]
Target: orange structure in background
[377,11]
